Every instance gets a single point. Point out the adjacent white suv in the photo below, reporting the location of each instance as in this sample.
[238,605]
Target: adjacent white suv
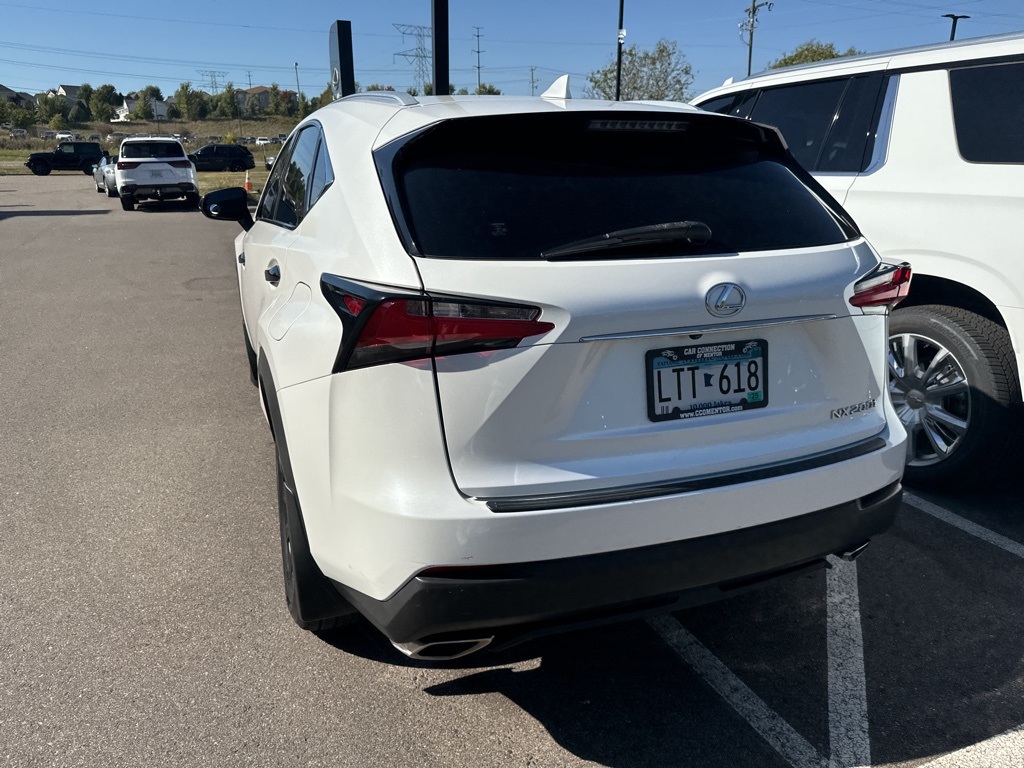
[154,168]
[535,363]
[925,148]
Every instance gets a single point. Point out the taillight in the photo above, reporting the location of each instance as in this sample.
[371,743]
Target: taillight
[386,328]
[180,163]
[125,166]
[885,286]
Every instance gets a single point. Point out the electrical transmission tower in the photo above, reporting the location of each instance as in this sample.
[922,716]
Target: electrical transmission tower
[748,25]
[214,75]
[477,51]
[420,56]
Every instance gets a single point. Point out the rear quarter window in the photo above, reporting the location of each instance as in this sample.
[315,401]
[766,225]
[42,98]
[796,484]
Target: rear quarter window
[988,111]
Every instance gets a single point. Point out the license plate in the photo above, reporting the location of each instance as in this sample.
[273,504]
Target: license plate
[156,174]
[706,379]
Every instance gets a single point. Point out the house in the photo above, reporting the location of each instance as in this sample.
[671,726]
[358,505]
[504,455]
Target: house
[123,113]
[262,94]
[17,98]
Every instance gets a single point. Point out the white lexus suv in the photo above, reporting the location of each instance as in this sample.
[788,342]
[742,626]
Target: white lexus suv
[154,168]
[533,364]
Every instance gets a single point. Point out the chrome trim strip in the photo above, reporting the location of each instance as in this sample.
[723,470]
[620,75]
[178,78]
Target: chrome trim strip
[702,329]
[627,493]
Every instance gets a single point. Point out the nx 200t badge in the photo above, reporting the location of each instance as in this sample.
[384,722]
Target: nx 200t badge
[725,299]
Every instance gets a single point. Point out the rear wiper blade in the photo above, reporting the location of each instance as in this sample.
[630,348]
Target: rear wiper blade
[692,232]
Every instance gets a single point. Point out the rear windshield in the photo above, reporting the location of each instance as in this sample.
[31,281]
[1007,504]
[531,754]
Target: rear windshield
[514,186]
[138,149]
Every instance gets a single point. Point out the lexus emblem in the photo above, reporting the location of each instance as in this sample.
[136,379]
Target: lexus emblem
[725,300]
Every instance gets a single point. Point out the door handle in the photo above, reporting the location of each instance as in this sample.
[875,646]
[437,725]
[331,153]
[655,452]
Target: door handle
[273,275]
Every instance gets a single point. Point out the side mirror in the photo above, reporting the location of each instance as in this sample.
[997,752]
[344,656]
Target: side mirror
[94,167]
[228,205]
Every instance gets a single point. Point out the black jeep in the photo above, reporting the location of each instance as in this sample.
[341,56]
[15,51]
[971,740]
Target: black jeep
[68,156]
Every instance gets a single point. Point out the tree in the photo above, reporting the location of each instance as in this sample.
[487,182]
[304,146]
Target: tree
[486,89]
[303,106]
[188,101]
[428,89]
[57,122]
[325,98]
[21,118]
[50,107]
[252,105]
[810,51]
[662,73]
[78,113]
[102,102]
[85,93]
[143,108]
[227,105]
[152,93]
[379,87]
[274,105]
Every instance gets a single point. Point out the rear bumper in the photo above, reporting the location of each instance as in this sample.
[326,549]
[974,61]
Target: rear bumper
[157,191]
[444,612]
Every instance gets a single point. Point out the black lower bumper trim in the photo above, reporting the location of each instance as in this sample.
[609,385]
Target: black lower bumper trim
[512,602]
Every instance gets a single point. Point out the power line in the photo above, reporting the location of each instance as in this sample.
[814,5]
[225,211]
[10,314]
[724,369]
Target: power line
[749,25]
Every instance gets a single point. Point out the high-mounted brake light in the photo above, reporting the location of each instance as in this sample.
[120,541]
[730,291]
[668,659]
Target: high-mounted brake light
[382,328]
[885,286]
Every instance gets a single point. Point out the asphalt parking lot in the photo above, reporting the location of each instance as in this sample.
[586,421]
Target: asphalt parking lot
[142,619]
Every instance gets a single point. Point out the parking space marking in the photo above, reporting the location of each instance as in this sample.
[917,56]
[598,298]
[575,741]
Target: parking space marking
[849,741]
[1009,545]
[782,737]
[1006,749]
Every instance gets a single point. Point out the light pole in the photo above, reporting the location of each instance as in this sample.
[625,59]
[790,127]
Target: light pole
[618,63]
[297,89]
[954,17]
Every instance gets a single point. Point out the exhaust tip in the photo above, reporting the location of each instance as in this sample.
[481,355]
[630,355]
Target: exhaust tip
[443,650]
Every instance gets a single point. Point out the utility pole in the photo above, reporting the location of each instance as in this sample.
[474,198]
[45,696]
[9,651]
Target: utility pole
[248,74]
[749,25]
[618,59]
[477,51]
[533,81]
[421,55]
[954,17]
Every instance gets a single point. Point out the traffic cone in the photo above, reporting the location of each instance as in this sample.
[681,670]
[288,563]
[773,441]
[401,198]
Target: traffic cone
[247,186]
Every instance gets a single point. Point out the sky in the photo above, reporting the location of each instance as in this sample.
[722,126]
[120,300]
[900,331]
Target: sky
[524,45]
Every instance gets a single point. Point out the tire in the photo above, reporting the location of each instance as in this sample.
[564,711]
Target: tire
[87,168]
[250,353]
[128,203]
[40,169]
[191,200]
[99,189]
[237,167]
[313,602]
[111,192]
[957,393]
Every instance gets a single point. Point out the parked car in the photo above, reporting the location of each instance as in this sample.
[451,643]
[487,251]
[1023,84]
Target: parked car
[924,147]
[223,157]
[19,133]
[152,168]
[262,140]
[65,135]
[535,363]
[68,156]
[103,175]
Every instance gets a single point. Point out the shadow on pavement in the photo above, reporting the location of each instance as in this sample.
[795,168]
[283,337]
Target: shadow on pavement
[45,214]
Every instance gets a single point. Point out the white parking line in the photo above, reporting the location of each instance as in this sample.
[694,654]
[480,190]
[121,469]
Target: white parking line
[847,690]
[783,738]
[1011,546]
[1002,751]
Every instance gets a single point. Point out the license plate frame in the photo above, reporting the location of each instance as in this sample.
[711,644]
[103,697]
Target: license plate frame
[685,382]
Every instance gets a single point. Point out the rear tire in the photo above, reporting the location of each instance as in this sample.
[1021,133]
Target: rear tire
[313,602]
[953,382]
[99,189]
[191,200]
[128,203]
[111,192]
[237,167]
[250,353]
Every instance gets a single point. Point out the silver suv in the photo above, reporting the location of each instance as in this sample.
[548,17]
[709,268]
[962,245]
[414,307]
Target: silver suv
[925,148]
